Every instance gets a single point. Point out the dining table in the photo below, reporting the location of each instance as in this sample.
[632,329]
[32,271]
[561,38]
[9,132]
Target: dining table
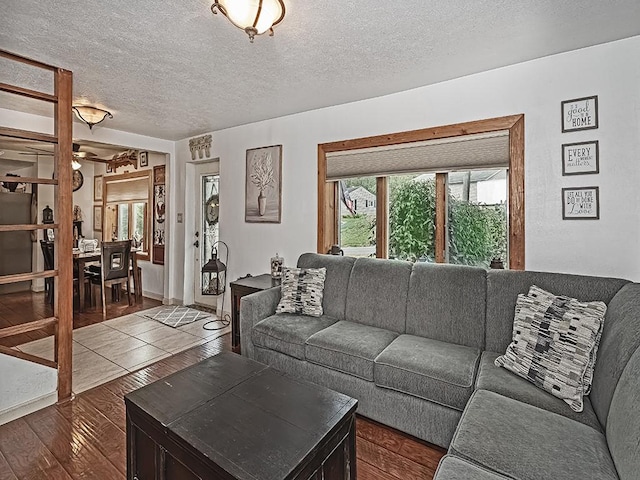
[81,258]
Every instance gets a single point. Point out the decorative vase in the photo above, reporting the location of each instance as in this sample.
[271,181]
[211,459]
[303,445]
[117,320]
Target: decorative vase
[277,263]
[262,203]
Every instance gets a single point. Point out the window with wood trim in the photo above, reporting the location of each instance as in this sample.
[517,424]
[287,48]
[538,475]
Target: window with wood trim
[466,180]
[126,210]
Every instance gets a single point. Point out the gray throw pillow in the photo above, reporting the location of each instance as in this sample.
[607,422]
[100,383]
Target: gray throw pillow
[554,343]
[302,291]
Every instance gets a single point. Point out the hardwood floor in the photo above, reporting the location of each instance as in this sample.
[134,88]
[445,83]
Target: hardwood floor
[22,307]
[85,438]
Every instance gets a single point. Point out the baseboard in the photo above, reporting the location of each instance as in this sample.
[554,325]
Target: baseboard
[26,408]
[172,301]
[152,295]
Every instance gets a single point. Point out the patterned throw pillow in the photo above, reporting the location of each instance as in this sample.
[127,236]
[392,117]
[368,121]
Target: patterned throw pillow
[302,291]
[555,343]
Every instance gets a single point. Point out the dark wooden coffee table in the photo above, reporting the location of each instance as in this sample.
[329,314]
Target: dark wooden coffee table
[229,417]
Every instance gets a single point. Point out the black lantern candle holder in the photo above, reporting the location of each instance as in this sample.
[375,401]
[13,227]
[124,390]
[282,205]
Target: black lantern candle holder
[214,272]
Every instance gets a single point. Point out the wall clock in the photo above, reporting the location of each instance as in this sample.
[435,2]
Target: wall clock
[77,180]
[213,209]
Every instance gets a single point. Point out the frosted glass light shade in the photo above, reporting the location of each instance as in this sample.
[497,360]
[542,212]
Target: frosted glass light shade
[90,115]
[255,17]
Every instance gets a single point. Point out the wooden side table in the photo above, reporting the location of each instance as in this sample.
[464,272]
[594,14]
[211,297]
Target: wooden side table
[240,288]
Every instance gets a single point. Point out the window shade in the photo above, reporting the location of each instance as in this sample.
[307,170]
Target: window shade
[128,190]
[469,152]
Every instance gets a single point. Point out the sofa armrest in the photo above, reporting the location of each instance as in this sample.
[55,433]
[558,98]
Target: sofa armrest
[254,308]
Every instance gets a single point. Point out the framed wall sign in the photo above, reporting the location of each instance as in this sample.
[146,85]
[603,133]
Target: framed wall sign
[97,218]
[263,185]
[97,188]
[581,203]
[581,158]
[144,159]
[580,114]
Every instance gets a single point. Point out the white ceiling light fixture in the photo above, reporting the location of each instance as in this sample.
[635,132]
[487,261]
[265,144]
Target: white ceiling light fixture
[90,115]
[75,164]
[255,17]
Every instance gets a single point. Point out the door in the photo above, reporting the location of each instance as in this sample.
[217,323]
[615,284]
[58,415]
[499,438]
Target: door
[207,186]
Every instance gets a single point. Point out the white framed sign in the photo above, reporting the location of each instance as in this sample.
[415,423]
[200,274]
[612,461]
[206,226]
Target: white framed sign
[581,203]
[579,114]
[581,158]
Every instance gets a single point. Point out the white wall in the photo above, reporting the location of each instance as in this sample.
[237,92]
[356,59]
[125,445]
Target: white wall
[608,246]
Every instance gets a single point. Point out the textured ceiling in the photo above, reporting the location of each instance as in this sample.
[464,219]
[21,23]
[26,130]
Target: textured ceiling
[172,70]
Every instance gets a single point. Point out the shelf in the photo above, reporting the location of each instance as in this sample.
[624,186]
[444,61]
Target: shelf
[27,135]
[41,181]
[26,92]
[23,277]
[28,327]
[27,227]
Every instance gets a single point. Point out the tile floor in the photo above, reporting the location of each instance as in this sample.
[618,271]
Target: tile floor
[105,351]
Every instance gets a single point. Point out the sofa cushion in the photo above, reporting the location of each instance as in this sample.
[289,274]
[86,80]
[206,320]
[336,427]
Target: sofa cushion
[454,468]
[447,303]
[503,287]
[377,294]
[499,380]
[436,371]
[336,282]
[623,425]
[620,338]
[287,333]
[302,291]
[527,443]
[348,347]
[554,338]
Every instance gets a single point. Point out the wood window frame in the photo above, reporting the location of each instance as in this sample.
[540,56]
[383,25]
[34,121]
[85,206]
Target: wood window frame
[328,192]
[148,242]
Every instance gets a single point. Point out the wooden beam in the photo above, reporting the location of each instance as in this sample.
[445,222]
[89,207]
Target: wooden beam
[26,60]
[27,227]
[445,131]
[516,195]
[26,92]
[23,277]
[63,295]
[27,135]
[382,217]
[27,327]
[26,356]
[41,181]
[441,218]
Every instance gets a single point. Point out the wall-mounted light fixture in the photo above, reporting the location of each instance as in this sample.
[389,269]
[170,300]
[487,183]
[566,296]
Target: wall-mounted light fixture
[90,115]
[255,17]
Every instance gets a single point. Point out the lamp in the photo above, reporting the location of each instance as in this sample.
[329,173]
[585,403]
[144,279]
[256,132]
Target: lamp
[90,115]
[214,273]
[255,17]
[75,164]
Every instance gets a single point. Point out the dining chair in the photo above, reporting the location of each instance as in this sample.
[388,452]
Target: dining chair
[47,253]
[49,264]
[114,269]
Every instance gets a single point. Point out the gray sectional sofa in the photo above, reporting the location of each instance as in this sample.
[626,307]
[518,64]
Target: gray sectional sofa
[415,344]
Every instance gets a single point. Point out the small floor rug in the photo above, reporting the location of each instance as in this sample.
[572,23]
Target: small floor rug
[175,316]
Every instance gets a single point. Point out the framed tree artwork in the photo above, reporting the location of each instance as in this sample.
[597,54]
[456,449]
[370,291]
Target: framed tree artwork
[263,185]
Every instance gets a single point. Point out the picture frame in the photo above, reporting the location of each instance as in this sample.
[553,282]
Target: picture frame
[109,168]
[581,203]
[263,185]
[144,159]
[581,158]
[97,218]
[97,188]
[579,114]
